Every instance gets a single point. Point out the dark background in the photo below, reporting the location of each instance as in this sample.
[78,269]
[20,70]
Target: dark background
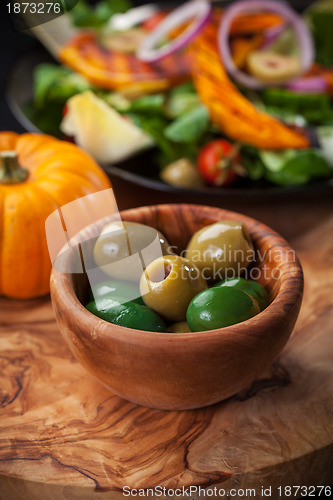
[13,44]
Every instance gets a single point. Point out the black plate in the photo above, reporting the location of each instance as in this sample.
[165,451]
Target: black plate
[141,169]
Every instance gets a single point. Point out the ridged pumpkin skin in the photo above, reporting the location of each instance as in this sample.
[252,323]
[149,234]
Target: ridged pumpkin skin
[59,172]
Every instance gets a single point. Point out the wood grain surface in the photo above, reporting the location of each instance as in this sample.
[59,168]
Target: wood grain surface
[63,436]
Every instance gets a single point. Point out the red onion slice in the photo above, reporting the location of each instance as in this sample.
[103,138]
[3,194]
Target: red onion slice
[198,10]
[301,30]
[308,85]
[271,34]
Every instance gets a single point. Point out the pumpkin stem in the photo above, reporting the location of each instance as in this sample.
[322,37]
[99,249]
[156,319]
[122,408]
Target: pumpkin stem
[10,170]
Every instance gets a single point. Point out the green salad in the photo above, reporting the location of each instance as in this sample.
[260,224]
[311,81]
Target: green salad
[187,146]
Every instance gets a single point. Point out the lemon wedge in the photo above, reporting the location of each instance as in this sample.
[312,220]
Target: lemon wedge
[102,131]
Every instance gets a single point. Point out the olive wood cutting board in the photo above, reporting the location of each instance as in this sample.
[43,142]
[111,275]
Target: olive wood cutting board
[64,436]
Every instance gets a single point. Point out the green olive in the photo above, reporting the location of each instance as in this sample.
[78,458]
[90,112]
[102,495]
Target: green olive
[269,67]
[124,249]
[182,173]
[129,314]
[169,284]
[219,307]
[125,289]
[252,288]
[221,249]
[179,327]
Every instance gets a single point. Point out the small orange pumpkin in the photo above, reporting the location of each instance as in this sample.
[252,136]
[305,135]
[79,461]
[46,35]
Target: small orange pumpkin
[38,174]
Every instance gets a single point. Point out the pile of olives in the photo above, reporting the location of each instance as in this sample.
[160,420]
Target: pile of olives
[148,287]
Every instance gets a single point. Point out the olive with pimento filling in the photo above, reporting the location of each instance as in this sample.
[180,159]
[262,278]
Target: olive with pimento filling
[169,284]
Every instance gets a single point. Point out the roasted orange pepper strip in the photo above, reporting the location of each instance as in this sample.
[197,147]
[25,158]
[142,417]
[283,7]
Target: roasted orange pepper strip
[241,48]
[248,24]
[254,23]
[117,70]
[229,109]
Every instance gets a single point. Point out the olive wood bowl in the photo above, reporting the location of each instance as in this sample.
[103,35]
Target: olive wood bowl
[183,370]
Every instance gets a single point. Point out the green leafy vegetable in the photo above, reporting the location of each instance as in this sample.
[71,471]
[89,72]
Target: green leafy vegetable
[321,21]
[56,83]
[189,126]
[179,104]
[294,166]
[290,106]
[176,139]
[149,104]
[84,15]
[184,88]
[168,150]
[252,162]
[181,99]
[275,161]
[155,126]
[117,101]
[47,119]
[325,137]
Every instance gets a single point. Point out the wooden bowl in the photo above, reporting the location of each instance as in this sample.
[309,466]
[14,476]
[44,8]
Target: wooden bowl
[192,370]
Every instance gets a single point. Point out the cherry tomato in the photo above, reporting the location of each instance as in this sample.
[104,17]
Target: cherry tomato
[216,160]
[154,20]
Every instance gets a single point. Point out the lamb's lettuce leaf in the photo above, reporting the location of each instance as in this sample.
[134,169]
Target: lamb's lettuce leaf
[321,21]
[294,167]
[56,84]
[190,126]
[85,15]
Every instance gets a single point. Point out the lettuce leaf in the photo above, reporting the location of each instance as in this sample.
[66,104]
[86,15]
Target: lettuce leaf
[294,167]
[321,23]
[85,15]
[57,84]
[190,126]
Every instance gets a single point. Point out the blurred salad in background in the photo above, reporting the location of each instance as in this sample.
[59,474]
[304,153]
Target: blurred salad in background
[218,95]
